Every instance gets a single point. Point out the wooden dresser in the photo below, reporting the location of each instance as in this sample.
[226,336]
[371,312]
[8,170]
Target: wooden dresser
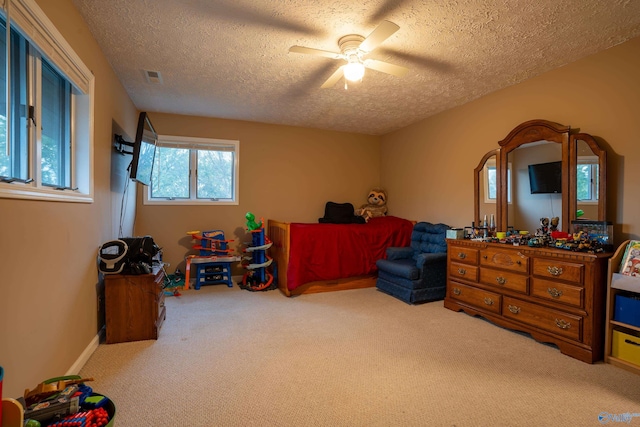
[556,296]
[134,306]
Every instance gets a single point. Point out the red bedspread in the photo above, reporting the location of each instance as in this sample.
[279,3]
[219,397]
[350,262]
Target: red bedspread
[335,251]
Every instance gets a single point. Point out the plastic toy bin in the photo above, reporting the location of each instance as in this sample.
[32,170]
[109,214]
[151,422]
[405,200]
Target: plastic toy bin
[627,310]
[626,347]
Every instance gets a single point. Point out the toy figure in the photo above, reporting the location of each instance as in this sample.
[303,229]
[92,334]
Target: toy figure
[544,227]
[553,226]
[251,222]
[376,206]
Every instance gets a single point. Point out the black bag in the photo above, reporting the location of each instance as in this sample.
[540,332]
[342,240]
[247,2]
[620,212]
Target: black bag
[140,254]
[340,213]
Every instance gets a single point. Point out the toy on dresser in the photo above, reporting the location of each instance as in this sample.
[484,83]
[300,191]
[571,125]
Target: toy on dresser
[376,205]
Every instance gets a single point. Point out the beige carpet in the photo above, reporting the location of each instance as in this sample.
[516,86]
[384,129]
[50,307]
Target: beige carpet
[228,357]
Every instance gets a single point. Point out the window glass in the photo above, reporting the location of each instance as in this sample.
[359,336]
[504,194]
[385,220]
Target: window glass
[46,127]
[56,123]
[14,160]
[170,175]
[215,174]
[587,183]
[194,171]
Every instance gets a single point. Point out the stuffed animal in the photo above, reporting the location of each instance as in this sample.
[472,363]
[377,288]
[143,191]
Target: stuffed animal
[544,227]
[376,206]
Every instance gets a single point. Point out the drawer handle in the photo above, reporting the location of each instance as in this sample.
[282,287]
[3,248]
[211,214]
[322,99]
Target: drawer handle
[501,280]
[456,291]
[462,255]
[554,271]
[628,341]
[484,256]
[562,324]
[554,292]
[488,301]
[462,271]
[514,309]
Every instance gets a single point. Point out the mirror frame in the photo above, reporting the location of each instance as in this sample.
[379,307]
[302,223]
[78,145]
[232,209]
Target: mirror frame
[543,130]
[602,167]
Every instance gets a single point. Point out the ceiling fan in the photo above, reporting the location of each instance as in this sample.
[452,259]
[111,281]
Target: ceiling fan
[353,49]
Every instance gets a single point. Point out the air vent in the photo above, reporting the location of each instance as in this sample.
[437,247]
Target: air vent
[153,77]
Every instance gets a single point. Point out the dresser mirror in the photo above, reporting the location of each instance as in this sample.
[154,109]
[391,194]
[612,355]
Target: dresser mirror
[541,170]
[590,163]
[526,203]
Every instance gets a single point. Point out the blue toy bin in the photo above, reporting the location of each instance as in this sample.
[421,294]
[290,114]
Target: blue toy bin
[627,310]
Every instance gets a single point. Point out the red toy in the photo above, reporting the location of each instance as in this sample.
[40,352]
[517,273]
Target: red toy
[91,418]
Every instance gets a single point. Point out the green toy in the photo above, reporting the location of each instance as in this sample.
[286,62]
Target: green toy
[251,222]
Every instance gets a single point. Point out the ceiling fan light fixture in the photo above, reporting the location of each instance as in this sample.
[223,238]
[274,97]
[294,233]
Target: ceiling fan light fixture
[354,71]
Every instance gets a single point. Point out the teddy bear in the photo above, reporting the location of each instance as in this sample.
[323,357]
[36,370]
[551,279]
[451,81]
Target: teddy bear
[376,206]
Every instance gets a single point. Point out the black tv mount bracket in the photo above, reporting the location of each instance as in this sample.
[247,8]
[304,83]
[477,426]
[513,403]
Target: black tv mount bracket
[120,145]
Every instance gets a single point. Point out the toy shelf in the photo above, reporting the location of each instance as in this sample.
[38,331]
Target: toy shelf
[618,332]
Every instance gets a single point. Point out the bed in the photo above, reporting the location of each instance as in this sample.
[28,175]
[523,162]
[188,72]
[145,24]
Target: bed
[311,258]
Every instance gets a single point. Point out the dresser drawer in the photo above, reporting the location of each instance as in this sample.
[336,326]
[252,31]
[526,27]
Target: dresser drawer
[555,321]
[512,260]
[463,254]
[504,280]
[479,298]
[463,271]
[558,292]
[558,270]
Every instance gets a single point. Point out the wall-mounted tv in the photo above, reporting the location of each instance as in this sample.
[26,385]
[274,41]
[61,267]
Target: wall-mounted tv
[545,178]
[144,151]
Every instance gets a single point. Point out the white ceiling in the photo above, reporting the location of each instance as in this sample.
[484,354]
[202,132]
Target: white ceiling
[229,58]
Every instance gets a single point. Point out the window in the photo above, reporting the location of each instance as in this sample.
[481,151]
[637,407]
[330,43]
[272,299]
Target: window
[194,171]
[491,180]
[587,179]
[46,147]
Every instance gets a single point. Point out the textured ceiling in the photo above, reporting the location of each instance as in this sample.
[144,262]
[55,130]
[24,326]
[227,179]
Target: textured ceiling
[230,59]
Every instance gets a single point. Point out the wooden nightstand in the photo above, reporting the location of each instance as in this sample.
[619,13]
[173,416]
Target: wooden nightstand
[134,306]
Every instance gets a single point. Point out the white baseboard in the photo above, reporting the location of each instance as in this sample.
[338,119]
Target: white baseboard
[86,354]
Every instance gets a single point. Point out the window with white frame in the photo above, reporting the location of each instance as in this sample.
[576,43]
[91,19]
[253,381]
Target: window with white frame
[194,171]
[587,179]
[46,141]
[491,182]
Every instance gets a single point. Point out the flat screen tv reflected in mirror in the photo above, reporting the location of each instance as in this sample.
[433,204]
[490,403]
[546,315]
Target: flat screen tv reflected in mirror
[546,178]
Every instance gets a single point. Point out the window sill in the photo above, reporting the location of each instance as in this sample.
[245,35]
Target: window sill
[11,191]
[189,202]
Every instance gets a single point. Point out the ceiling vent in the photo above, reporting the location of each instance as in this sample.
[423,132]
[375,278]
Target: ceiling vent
[153,77]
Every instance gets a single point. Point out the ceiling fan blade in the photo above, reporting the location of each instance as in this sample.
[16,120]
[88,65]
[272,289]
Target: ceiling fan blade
[385,67]
[380,34]
[318,52]
[331,81]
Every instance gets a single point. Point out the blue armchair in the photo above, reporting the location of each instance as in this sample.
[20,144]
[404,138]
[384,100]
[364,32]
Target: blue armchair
[417,273]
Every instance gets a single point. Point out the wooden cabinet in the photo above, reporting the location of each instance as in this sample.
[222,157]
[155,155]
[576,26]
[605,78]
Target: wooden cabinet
[617,332]
[556,296]
[134,306]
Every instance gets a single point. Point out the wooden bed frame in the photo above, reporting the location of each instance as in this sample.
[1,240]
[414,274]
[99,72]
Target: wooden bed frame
[278,232]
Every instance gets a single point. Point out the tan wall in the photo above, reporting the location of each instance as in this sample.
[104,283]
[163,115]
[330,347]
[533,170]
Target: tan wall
[286,173]
[48,304]
[428,167]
